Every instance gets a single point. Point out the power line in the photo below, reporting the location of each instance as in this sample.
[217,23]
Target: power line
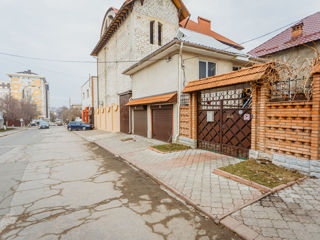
[128,61]
[266,34]
[73,61]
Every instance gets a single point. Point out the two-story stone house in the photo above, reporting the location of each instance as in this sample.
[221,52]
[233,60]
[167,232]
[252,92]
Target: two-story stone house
[138,28]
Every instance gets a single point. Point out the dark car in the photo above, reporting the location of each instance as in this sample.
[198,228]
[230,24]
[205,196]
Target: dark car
[79,126]
[43,125]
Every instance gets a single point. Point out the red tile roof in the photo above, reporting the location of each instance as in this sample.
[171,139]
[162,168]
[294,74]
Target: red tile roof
[250,74]
[164,98]
[284,40]
[204,26]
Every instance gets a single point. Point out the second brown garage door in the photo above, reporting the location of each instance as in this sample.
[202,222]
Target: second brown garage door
[141,122]
[162,122]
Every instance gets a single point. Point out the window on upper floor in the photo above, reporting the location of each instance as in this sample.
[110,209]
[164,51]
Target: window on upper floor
[160,34]
[236,68]
[207,69]
[152,32]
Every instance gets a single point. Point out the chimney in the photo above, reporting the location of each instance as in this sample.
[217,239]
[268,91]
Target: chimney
[204,22]
[296,30]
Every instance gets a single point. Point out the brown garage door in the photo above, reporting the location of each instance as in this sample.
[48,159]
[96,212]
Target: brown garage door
[124,112]
[162,122]
[140,122]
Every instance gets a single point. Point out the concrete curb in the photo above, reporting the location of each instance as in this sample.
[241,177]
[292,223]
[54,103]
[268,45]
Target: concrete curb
[241,229]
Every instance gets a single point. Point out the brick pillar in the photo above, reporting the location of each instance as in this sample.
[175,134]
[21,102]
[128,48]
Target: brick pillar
[194,116]
[254,118]
[190,116]
[261,95]
[315,127]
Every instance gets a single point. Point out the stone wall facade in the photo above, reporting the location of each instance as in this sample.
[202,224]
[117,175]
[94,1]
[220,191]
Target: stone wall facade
[130,43]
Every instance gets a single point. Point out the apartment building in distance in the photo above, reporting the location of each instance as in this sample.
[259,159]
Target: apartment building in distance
[29,85]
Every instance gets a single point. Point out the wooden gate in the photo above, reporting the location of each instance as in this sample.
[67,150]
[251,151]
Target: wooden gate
[124,112]
[224,120]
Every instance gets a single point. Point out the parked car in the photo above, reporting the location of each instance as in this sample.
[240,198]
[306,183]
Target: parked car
[33,123]
[79,126]
[43,125]
[59,123]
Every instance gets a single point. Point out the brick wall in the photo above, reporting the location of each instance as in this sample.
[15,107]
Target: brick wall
[185,121]
[288,128]
[287,132]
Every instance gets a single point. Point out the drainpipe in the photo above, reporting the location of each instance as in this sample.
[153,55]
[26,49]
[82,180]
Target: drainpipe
[179,90]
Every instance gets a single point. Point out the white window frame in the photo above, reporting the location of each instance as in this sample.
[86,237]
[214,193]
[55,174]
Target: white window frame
[206,61]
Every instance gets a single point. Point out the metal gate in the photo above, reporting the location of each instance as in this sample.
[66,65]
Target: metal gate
[140,121]
[224,120]
[162,117]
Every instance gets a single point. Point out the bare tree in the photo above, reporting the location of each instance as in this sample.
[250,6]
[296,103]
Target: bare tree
[53,116]
[63,113]
[68,115]
[28,110]
[11,108]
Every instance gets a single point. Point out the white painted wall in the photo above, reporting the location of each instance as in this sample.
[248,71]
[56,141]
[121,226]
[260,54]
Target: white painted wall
[86,99]
[158,78]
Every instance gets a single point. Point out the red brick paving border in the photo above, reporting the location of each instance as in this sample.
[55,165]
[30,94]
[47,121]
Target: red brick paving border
[260,187]
[158,151]
[240,229]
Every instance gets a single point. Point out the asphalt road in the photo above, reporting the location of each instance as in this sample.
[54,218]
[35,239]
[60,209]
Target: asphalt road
[55,185]
[12,171]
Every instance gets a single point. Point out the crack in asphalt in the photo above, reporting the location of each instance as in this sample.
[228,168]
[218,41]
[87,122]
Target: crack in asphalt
[131,189]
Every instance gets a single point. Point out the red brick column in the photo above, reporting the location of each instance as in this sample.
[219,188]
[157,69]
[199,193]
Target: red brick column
[190,115]
[255,90]
[194,116]
[315,127]
[262,108]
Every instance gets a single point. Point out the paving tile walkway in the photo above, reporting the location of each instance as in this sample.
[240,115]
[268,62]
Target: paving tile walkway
[187,172]
[293,213]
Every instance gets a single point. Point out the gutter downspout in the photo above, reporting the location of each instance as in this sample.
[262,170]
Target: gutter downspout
[179,91]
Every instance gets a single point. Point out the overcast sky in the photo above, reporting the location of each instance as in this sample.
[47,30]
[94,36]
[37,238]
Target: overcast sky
[69,30]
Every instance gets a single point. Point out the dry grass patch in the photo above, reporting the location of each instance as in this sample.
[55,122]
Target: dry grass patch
[172,147]
[8,129]
[266,174]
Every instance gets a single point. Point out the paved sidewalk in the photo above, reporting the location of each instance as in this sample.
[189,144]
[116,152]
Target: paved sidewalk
[187,172]
[293,213]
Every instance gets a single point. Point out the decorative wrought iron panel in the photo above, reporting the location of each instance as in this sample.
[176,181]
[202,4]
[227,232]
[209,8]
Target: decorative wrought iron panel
[224,120]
